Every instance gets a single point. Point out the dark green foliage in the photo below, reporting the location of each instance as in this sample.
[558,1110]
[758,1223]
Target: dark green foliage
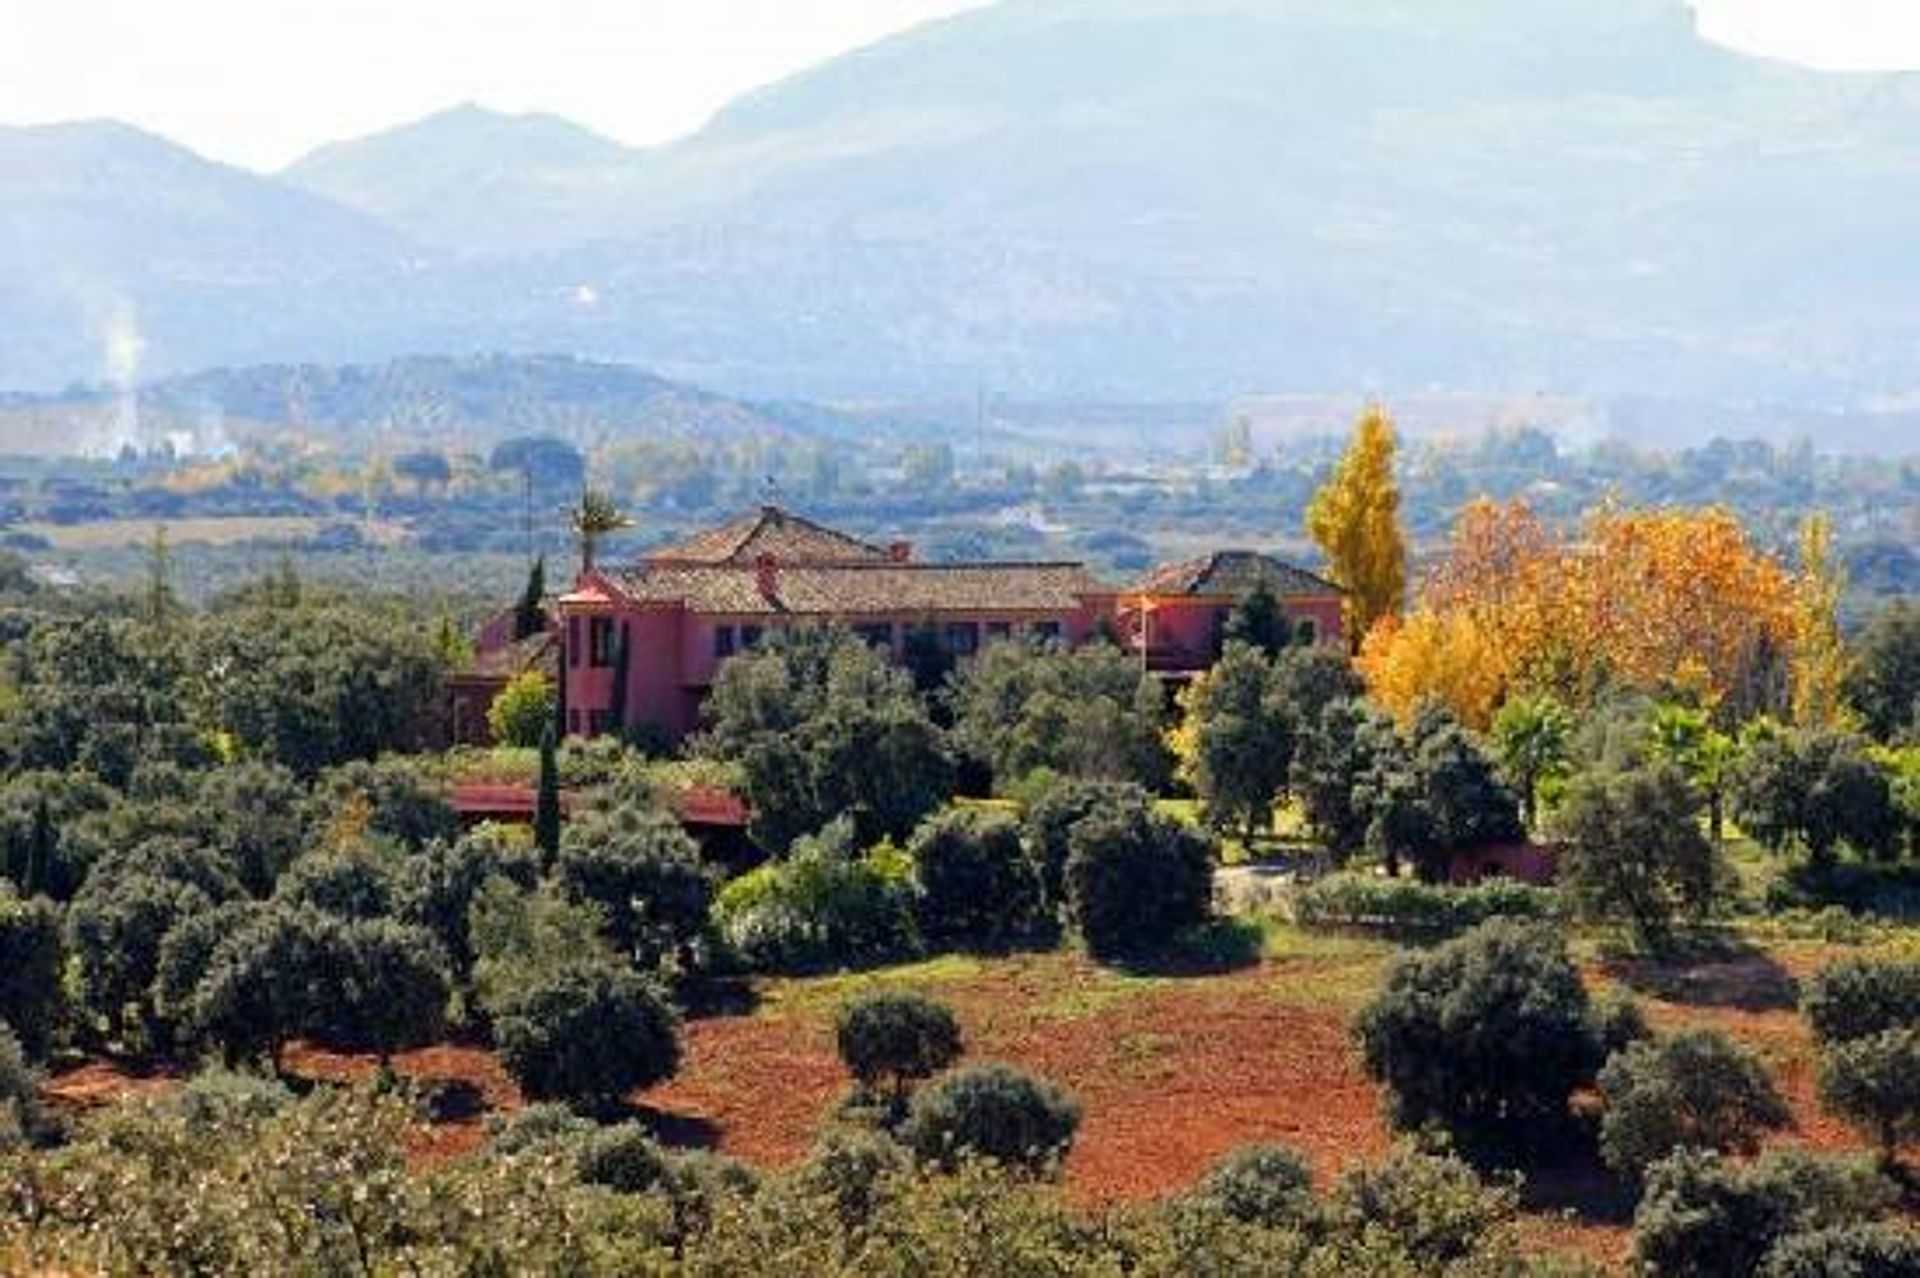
[356,882]
[436,887]
[318,684]
[1697,1089]
[1466,805]
[1309,679]
[1136,880]
[992,1111]
[353,984]
[1635,851]
[1702,1216]
[537,1129]
[1435,1208]
[530,612]
[187,953]
[261,985]
[1874,1083]
[1086,712]
[1817,790]
[401,799]
[623,1157]
[1260,1185]
[644,872]
[381,987]
[1487,1035]
[546,810]
[825,906]
[1880,1250]
[893,1040]
[30,965]
[1259,622]
[1884,681]
[851,1170]
[976,885]
[586,1035]
[1242,738]
[1403,906]
[1051,818]
[823,727]
[1339,758]
[115,927]
[48,830]
[257,815]
[23,1118]
[1857,998]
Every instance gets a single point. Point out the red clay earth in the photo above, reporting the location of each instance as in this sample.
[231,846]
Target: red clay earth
[1170,1074]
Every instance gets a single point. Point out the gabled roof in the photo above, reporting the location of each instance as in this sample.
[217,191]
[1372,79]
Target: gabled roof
[1232,573]
[787,537]
[852,590]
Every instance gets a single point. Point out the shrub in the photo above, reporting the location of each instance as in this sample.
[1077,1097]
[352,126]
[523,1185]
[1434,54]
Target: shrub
[115,928]
[1433,1207]
[1051,818]
[976,885]
[435,888]
[1260,1185]
[1135,880]
[644,872]
[823,907]
[217,1096]
[1635,851]
[1860,997]
[257,991]
[895,1040]
[537,1127]
[1874,1083]
[1704,1217]
[354,882]
[624,1158]
[1818,789]
[523,711]
[1883,1250]
[586,1035]
[850,1168]
[992,1111]
[1488,1034]
[380,987]
[30,962]
[1698,1089]
[22,1119]
[1409,906]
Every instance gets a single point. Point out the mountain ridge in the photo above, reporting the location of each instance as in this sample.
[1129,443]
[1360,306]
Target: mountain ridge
[1138,198]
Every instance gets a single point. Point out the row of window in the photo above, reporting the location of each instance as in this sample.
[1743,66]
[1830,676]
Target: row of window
[962,638]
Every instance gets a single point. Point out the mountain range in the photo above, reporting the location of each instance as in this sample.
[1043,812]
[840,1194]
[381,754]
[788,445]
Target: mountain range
[1096,198]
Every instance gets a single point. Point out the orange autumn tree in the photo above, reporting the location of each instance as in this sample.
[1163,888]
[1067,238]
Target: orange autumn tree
[1672,601]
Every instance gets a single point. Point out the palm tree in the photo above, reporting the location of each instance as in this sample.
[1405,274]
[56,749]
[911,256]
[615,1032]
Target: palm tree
[595,517]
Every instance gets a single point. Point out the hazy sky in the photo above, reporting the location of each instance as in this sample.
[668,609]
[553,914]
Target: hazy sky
[258,82]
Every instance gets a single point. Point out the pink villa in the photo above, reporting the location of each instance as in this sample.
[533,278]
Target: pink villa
[678,613]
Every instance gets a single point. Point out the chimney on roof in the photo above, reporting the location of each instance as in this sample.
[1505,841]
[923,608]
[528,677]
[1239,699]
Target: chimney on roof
[766,571]
[900,552]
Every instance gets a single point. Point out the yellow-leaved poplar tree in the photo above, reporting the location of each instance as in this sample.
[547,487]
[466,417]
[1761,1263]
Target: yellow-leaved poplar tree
[1445,656]
[1355,519]
[1819,653]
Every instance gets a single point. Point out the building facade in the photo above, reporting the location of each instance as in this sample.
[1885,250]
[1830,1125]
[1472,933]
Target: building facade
[642,644]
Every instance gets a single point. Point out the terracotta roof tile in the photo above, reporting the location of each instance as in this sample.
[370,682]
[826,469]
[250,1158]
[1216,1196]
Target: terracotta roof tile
[861,589]
[769,531]
[1232,572]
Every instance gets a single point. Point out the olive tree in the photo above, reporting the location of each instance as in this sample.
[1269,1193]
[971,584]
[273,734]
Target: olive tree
[1698,1089]
[893,1040]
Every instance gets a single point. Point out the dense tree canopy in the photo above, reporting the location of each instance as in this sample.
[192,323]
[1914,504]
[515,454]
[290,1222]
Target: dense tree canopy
[1355,519]
[823,727]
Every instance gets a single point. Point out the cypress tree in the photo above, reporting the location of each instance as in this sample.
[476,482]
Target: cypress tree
[529,615]
[546,812]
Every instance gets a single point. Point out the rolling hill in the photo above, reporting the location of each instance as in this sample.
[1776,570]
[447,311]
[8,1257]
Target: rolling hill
[1148,198]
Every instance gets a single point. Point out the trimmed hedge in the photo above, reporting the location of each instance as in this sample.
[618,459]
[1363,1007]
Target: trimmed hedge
[1407,905]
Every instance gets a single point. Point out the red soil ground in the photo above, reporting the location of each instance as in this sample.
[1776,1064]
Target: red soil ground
[1170,1074]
